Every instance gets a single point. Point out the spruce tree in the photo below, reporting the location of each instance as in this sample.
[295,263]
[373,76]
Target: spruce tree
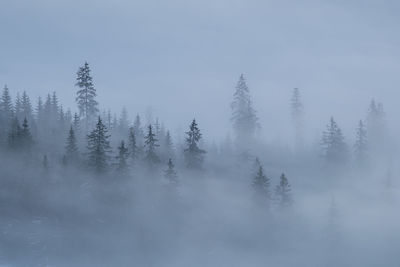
[283,195]
[14,135]
[261,184]
[71,147]
[376,126]
[170,174]
[297,117]
[151,143]
[244,119]
[361,144]
[25,136]
[133,149]
[26,106]
[86,94]
[123,122]
[194,156]
[98,148]
[6,113]
[334,147]
[122,158]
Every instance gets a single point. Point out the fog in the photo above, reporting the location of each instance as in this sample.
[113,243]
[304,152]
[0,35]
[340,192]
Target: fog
[224,162]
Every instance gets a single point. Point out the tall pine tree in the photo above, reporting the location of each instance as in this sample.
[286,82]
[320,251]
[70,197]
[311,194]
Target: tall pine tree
[151,143]
[194,156]
[98,148]
[86,94]
[244,119]
[334,148]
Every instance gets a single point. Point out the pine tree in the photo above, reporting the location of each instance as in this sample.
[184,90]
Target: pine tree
[122,158]
[151,144]
[133,149]
[283,194]
[170,173]
[139,135]
[376,126]
[14,135]
[194,156]
[168,145]
[18,107]
[98,148]
[71,147]
[297,117]
[361,144]
[123,122]
[261,184]
[86,94]
[333,144]
[244,119]
[26,106]
[26,137]
[6,113]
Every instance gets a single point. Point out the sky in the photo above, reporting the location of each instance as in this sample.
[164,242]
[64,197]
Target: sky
[183,58]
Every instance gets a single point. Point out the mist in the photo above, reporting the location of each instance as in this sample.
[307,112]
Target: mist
[180,133]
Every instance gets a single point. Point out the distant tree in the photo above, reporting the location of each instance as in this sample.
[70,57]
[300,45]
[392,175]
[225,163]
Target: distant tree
[334,147]
[168,145]
[170,173]
[26,137]
[26,107]
[283,194]
[18,107]
[122,158]
[194,156]
[71,148]
[151,143]
[123,121]
[361,144]
[137,128]
[6,113]
[99,147]
[244,119]
[297,111]
[14,135]
[86,94]
[376,126]
[261,184]
[132,147]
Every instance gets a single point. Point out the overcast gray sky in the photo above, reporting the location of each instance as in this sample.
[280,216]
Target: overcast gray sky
[183,58]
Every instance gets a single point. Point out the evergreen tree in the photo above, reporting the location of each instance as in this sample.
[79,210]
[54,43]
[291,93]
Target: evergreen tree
[14,135]
[6,113]
[18,107]
[283,194]
[297,117]
[133,149]
[168,145]
[26,106]
[123,122]
[361,144]
[261,184]
[376,126]
[170,173]
[244,119]
[71,147]
[26,137]
[333,144]
[122,158]
[86,94]
[98,147]
[151,144]
[194,156]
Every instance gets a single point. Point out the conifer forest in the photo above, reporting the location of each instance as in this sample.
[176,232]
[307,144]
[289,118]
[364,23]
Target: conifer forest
[215,133]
